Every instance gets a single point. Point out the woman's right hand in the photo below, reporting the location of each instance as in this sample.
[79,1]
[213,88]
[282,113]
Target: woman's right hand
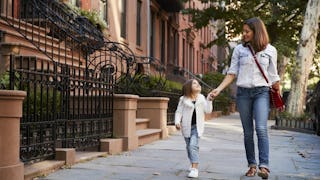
[214,93]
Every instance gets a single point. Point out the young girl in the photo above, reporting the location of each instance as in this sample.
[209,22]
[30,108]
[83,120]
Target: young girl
[189,117]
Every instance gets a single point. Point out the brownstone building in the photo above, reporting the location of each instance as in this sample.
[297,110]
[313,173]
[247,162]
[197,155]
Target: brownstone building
[159,34]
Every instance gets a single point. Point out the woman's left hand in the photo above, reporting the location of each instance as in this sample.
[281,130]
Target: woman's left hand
[276,86]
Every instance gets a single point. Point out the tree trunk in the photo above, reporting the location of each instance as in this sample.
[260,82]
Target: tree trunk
[282,66]
[304,57]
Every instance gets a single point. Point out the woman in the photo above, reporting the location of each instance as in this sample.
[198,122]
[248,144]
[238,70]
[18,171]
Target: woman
[253,90]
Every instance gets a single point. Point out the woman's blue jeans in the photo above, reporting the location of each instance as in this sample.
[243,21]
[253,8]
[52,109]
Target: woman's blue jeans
[253,104]
[192,145]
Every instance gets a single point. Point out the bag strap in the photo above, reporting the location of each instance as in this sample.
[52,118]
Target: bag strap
[255,59]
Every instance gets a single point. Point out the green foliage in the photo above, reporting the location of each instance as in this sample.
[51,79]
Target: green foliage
[93,16]
[143,85]
[173,86]
[221,102]
[288,116]
[41,103]
[283,19]
[36,101]
[5,80]
[213,78]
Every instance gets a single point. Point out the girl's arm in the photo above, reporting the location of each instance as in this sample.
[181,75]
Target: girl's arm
[208,105]
[178,113]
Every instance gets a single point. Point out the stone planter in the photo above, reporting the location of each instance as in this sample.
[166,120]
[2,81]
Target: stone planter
[10,113]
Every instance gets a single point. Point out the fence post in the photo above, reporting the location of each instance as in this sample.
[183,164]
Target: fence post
[11,168]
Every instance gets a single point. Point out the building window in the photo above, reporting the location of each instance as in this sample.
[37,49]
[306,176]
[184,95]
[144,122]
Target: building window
[152,34]
[139,4]
[104,10]
[2,6]
[176,47]
[124,19]
[75,2]
[183,53]
[162,45]
[191,67]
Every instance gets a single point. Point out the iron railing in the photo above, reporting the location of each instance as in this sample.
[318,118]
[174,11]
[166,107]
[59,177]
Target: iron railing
[70,89]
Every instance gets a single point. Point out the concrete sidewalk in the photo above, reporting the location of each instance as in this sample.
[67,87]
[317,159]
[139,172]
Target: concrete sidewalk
[293,155]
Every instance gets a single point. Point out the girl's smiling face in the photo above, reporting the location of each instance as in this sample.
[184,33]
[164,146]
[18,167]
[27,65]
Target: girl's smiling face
[195,87]
[247,33]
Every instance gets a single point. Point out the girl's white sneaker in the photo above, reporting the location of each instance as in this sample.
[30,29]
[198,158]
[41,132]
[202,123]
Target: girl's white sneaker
[194,173]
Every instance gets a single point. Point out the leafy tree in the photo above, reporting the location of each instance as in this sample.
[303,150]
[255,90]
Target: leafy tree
[305,54]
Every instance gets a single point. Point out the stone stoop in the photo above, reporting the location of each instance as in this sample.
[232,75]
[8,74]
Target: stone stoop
[146,136]
[10,35]
[142,123]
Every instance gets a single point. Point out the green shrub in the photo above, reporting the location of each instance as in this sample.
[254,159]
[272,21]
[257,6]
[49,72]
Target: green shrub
[93,16]
[221,102]
[288,116]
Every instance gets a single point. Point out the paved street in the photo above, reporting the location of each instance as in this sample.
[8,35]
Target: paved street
[293,155]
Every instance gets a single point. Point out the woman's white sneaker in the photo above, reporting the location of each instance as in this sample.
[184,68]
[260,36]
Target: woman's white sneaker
[193,173]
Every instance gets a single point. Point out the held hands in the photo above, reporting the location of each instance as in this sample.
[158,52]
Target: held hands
[213,94]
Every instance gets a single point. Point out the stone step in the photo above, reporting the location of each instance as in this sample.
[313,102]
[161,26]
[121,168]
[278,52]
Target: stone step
[20,23]
[142,123]
[147,136]
[31,171]
[41,168]
[53,46]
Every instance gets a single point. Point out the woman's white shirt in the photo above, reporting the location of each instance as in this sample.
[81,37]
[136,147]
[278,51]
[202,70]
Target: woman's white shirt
[247,71]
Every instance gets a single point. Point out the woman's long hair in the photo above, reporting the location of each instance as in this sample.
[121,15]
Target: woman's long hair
[260,35]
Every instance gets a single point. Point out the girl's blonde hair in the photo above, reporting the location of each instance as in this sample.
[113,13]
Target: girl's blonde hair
[260,34]
[187,88]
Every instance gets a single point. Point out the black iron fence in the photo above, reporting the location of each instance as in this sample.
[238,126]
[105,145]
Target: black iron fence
[69,101]
[308,126]
[65,106]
